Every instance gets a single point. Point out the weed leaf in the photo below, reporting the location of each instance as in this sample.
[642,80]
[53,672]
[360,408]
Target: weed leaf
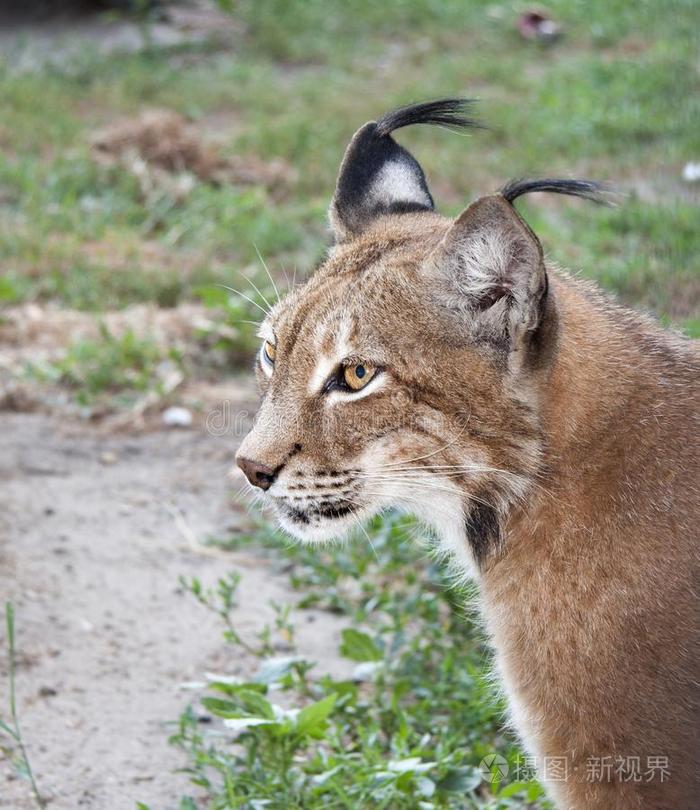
[312,719]
[358,646]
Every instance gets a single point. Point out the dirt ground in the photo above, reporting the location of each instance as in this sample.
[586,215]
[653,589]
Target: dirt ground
[95,530]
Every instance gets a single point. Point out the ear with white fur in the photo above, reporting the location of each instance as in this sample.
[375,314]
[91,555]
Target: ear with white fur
[490,266]
[378,176]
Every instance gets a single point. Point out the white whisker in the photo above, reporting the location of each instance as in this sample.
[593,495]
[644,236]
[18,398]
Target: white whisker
[426,486]
[286,277]
[257,289]
[453,469]
[369,539]
[243,295]
[269,275]
[429,455]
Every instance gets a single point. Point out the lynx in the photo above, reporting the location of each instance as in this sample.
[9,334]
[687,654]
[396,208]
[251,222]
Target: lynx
[545,434]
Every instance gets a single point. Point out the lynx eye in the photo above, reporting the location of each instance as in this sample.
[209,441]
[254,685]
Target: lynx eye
[269,351]
[358,375]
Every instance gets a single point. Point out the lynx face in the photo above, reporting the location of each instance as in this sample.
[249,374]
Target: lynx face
[374,398]
[404,373]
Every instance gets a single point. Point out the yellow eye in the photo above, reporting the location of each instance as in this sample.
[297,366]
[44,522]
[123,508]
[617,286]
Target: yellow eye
[270,351]
[358,375]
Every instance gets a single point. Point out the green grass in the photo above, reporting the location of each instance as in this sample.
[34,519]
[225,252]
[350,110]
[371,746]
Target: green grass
[616,99]
[109,367]
[15,749]
[409,729]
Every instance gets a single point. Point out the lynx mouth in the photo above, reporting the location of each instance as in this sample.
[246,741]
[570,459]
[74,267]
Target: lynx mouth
[315,513]
[323,520]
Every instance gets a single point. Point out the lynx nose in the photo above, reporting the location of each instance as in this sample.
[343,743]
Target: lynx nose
[259,475]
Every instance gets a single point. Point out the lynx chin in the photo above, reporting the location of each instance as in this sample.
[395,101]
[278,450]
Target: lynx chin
[546,435]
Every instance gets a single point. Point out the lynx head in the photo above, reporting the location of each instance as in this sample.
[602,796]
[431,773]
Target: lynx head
[405,372]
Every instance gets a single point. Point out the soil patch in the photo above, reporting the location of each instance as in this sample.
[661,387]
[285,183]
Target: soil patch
[94,533]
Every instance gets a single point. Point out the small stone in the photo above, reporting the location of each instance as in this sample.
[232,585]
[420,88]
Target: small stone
[177,417]
[691,172]
[108,457]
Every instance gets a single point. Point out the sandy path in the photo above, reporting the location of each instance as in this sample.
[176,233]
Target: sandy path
[90,554]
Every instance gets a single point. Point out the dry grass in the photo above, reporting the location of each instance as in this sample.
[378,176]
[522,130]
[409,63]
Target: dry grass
[160,143]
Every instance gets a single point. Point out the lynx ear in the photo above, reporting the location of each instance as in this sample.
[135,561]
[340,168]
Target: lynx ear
[493,262]
[377,176]
[494,269]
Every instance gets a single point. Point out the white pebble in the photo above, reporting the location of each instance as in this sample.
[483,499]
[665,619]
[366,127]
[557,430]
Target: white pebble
[691,172]
[177,417]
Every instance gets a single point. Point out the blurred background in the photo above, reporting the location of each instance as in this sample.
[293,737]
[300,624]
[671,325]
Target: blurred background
[150,150]
[154,155]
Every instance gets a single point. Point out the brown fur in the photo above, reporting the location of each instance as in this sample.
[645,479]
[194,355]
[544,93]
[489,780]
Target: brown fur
[572,495]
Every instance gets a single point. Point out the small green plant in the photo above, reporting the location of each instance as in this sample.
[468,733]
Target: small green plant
[11,728]
[222,602]
[408,728]
[123,365]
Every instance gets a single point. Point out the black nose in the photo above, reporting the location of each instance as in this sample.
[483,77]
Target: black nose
[259,475]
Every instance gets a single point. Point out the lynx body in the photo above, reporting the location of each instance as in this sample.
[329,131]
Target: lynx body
[548,436]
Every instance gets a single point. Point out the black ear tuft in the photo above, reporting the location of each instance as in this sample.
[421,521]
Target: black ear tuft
[377,176]
[445,112]
[587,189]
